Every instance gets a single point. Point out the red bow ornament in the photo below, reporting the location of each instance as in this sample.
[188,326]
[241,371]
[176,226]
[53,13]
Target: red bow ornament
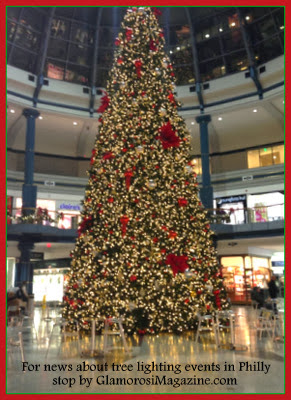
[104,104]
[124,220]
[177,263]
[138,65]
[128,175]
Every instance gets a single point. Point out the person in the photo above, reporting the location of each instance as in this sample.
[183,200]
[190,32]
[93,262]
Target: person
[273,291]
[18,296]
[258,295]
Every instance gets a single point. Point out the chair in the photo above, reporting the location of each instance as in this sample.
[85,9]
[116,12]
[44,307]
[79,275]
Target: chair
[14,339]
[266,322]
[65,333]
[209,319]
[225,320]
[107,323]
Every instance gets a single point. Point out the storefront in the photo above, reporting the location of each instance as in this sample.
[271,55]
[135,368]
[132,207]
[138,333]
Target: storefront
[69,213]
[243,272]
[235,206]
[49,280]
[266,207]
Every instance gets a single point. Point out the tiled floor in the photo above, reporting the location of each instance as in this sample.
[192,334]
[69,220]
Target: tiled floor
[261,362]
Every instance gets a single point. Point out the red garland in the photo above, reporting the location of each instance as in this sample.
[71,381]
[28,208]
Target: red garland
[124,220]
[177,263]
[128,175]
[104,104]
[138,65]
[168,136]
[182,202]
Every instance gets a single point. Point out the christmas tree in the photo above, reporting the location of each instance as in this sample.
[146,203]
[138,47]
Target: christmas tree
[144,248]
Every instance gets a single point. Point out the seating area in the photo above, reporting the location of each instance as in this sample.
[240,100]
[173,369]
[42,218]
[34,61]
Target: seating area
[243,334]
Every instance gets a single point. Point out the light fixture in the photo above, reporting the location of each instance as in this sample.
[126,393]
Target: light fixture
[40,117]
[283,101]
[12,111]
[207,35]
[282,27]
[220,30]
[75,123]
[192,123]
[255,110]
[171,52]
[247,17]
[274,156]
[233,24]
[178,48]
[219,118]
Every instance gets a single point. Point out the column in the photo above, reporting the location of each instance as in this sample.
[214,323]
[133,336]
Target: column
[24,270]
[28,189]
[206,191]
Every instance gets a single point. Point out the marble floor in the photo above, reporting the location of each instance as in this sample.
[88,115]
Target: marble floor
[165,363]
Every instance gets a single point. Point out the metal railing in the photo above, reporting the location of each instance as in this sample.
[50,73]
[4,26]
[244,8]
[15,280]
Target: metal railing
[69,220]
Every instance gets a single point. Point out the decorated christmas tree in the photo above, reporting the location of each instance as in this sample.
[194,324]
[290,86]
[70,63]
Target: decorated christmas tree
[144,247]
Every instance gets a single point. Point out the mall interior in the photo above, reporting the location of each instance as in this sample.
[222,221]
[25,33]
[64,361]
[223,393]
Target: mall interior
[229,69]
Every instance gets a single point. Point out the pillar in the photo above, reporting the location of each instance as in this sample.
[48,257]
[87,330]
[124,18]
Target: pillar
[28,189]
[24,270]
[206,191]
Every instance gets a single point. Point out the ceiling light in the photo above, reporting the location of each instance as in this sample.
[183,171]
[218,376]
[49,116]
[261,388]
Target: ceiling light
[220,30]
[207,35]
[192,123]
[12,111]
[247,17]
[171,52]
[75,123]
[178,48]
[219,118]
[274,156]
[255,110]
[233,24]
[40,117]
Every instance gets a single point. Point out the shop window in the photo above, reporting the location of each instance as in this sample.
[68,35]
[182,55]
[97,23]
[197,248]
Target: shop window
[101,76]
[11,27]
[265,156]
[77,74]
[253,158]
[242,273]
[55,70]
[278,154]
[105,57]
[82,34]
[27,38]
[60,29]
[57,49]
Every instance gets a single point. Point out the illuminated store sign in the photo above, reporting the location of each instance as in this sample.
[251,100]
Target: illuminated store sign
[232,199]
[65,206]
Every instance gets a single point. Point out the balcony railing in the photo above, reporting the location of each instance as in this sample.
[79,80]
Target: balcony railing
[69,220]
